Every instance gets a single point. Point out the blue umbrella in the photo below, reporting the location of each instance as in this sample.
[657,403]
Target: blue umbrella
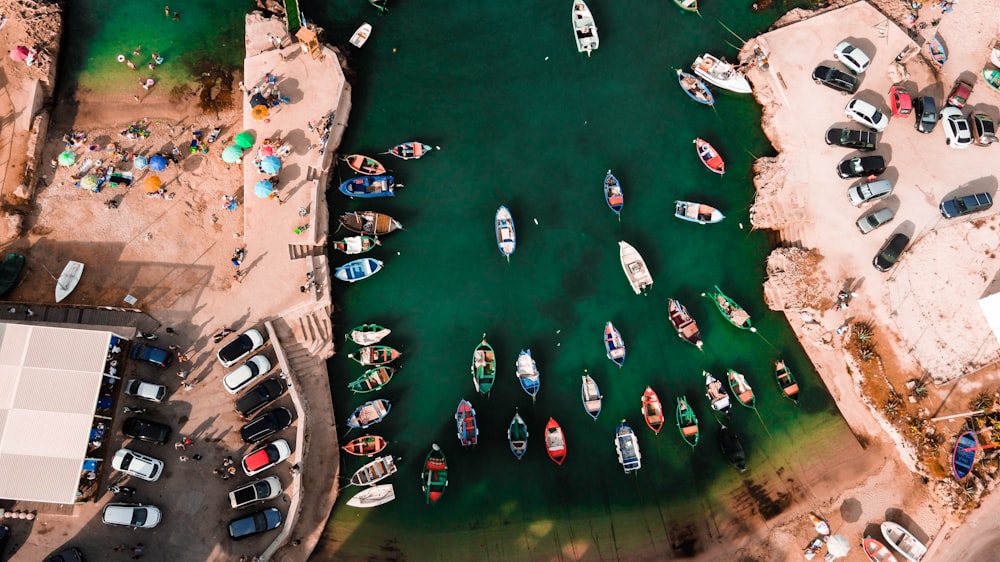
[270,165]
[140,163]
[157,163]
[263,189]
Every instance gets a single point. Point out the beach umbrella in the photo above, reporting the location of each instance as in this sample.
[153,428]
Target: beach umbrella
[267,150]
[838,546]
[270,165]
[232,154]
[263,189]
[152,184]
[140,162]
[244,140]
[89,182]
[67,158]
[157,163]
[19,53]
[259,112]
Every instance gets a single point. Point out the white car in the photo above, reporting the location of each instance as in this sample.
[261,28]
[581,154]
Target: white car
[866,114]
[957,132]
[257,366]
[266,456]
[852,57]
[137,464]
[133,515]
[244,344]
[255,492]
[145,390]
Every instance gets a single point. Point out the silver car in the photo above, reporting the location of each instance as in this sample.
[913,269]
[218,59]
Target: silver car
[875,219]
[137,464]
[866,114]
[868,191]
[852,57]
[957,132]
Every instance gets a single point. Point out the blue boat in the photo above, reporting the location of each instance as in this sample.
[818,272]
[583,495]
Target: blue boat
[527,373]
[590,395]
[369,186]
[369,413]
[517,435]
[964,456]
[358,269]
[627,446]
[613,194]
[465,421]
[695,88]
[614,345]
[506,238]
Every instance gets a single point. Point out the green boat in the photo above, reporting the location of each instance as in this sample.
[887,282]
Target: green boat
[372,380]
[10,274]
[741,389]
[732,311]
[786,381]
[484,367]
[687,422]
[375,355]
[435,474]
[992,78]
[368,334]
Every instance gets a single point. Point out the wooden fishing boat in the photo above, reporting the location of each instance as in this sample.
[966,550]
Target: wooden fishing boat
[465,421]
[613,194]
[368,334]
[374,472]
[733,312]
[652,410]
[697,212]
[695,88]
[741,389]
[995,53]
[369,222]
[352,245]
[964,456]
[687,328]
[410,150]
[527,373]
[591,396]
[992,78]
[877,551]
[365,446]
[365,165]
[635,268]
[369,413]
[506,237]
[484,367]
[434,476]
[903,541]
[786,381]
[357,270]
[68,279]
[717,394]
[371,380]
[687,5]
[584,28]
[721,73]
[936,50]
[627,447]
[361,35]
[614,345]
[732,448]
[687,421]
[373,496]
[555,442]
[368,187]
[517,436]
[709,156]
[10,273]
[375,355]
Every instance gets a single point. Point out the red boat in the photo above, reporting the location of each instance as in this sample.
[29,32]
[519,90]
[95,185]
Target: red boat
[652,410]
[365,446]
[710,157]
[877,551]
[364,165]
[555,442]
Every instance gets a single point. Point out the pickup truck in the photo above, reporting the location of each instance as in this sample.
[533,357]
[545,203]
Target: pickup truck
[255,492]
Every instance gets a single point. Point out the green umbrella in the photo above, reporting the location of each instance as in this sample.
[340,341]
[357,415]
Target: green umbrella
[67,158]
[232,154]
[244,139]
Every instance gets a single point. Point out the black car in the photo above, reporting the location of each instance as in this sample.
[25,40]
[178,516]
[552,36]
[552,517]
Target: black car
[246,343]
[861,166]
[890,252]
[852,138]
[146,430]
[925,112]
[4,538]
[266,520]
[71,554]
[260,396]
[833,78]
[965,204]
[266,425]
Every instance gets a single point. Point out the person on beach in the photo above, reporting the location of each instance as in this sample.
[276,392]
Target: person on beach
[130,64]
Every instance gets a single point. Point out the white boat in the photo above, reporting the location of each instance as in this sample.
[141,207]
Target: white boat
[584,28]
[379,469]
[720,73]
[697,212]
[371,497]
[995,53]
[361,35]
[635,268]
[717,394]
[627,446]
[903,541]
[358,269]
[68,279]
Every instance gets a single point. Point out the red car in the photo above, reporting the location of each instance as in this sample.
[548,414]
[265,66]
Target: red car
[900,102]
[960,94]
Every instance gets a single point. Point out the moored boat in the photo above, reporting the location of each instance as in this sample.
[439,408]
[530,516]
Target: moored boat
[361,35]
[434,476]
[369,222]
[992,78]
[877,551]
[717,394]
[68,279]
[964,456]
[527,373]
[365,165]
[697,212]
[936,50]
[465,421]
[591,395]
[741,389]
[371,380]
[687,421]
[368,334]
[733,312]
[369,186]
[732,448]
[375,471]
[627,446]
[375,355]
[369,413]
[410,150]
[584,28]
[687,5]
[903,541]
[517,435]
[695,88]
[373,496]
[652,410]
[614,345]
[357,270]
[365,446]
[786,381]
[555,441]
[613,194]
[10,273]
[352,245]
[721,73]
[709,156]
[506,236]
[635,267]
[484,367]
[683,323]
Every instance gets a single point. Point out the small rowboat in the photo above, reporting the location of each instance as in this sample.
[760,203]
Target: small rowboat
[369,413]
[68,279]
[652,410]
[361,35]
[613,193]
[410,150]
[375,355]
[687,421]
[517,436]
[614,346]
[992,78]
[373,496]
[733,312]
[506,237]
[697,212]
[367,334]
[627,447]
[555,442]
[786,381]
[695,88]
[635,268]
[365,165]
[936,50]
[371,380]
[903,541]
[365,446]
[709,156]
[368,187]
[591,396]
[584,28]
[732,448]
[717,394]
[484,367]
[741,389]
[375,471]
[369,222]
[687,5]
[356,244]
[527,373]
[687,328]
[877,551]
[434,477]
[465,421]
[964,456]
[357,270]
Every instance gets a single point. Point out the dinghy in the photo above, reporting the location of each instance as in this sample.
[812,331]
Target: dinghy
[434,476]
[683,323]
[697,212]
[369,222]
[555,442]
[717,394]
[635,268]
[371,380]
[506,237]
[732,448]
[614,346]
[372,497]
[361,35]
[365,446]
[369,413]
[365,165]
[357,270]
[517,435]
[964,456]
[695,88]
[709,156]
[484,367]
[786,381]
[627,447]
[741,389]
[527,373]
[368,187]
[356,244]
[68,279]
[877,551]
[652,410]
[903,541]
[733,312]
[584,28]
[375,355]
[410,150]
[687,422]
[465,421]
[591,396]
[375,471]
[368,334]
[613,193]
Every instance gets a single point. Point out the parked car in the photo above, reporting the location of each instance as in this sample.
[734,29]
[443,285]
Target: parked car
[926,114]
[900,101]
[875,219]
[866,114]
[247,342]
[984,131]
[959,95]
[965,205]
[259,396]
[852,57]
[266,456]
[266,425]
[957,132]
[145,390]
[852,138]
[890,252]
[137,464]
[861,166]
[246,373]
[866,192]
[833,78]
[71,554]
[4,538]
[135,515]
[146,430]
[150,354]
[266,520]
[255,492]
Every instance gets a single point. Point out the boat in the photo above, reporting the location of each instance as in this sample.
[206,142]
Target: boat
[995,53]
[375,355]
[410,150]
[365,446]
[506,237]
[517,435]
[732,449]
[584,28]
[732,311]
[687,5]
[365,165]
[709,156]
[371,380]
[687,421]
[352,245]
[484,367]
[373,496]
[903,541]
[635,268]
[591,396]
[357,270]
[697,212]
[786,381]
[68,279]
[369,413]
[555,442]
[721,73]
[10,273]
[465,421]
[964,456]
[614,346]
[368,187]
[369,222]
[992,78]
[627,446]
[434,477]
[527,373]
[361,35]
[877,551]
[687,328]
[613,193]
[741,389]
[695,88]
[381,5]
[936,50]
[652,410]
[367,334]
[717,394]
[375,471]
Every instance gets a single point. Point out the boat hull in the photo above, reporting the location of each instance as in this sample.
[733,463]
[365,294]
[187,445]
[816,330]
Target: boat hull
[877,551]
[695,88]
[732,448]
[368,334]
[555,442]
[465,421]
[963,458]
[683,323]
[732,312]
[365,446]
[613,194]
[614,345]
[357,270]
[687,422]
[903,541]
[709,156]
[434,476]
[697,212]
[368,187]
[361,35]
[786,381]
[517,436]
[375,471]
[635,268]
[371,380]
[373,496]
[484,368]
[590,394]
[527,373]
[410,150]
[369,414]
[370,223]
[506,235]
[353,245]
[741,389]
[365,165]
[717,394]
[68,280]
[627,447]
[652,410]
[584,28]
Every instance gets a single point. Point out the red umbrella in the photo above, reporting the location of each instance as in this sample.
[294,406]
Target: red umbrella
[267,150]
[19,53]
